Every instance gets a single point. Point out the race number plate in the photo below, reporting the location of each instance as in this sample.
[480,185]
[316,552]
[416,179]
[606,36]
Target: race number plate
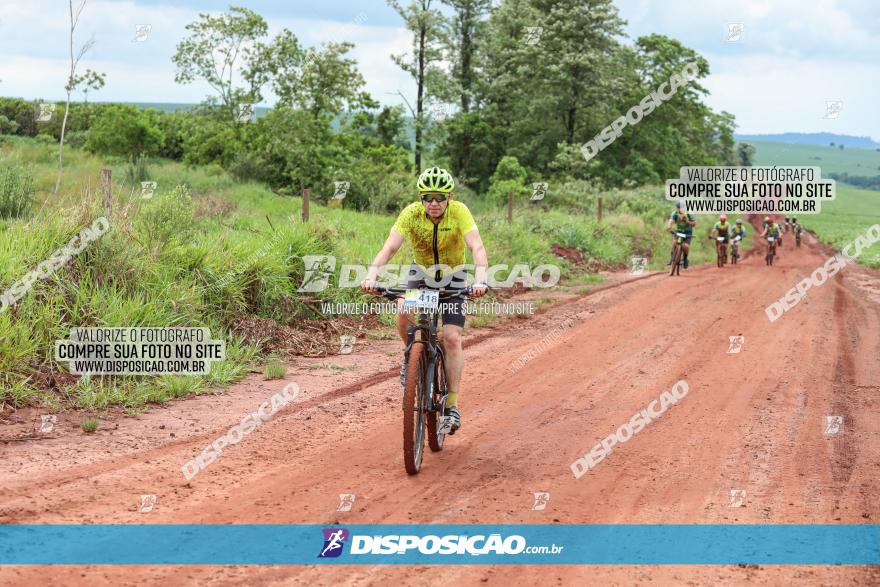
[421,299]
[770,239]
[720,239]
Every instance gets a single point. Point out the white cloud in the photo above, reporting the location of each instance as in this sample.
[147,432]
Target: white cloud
[33,50]
[777,94]
[792,58]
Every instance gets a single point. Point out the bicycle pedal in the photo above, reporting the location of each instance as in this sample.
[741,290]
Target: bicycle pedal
[445,425]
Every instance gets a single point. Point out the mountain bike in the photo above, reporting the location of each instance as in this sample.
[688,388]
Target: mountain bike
[425,389]
[734,249]
[771,250]
[677,251]
[721,250]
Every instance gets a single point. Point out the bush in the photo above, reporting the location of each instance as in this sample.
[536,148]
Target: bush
[89,425]
[207,139]
[244,167]
[76,139]
[7,126]
[165,220]
[137,171]
[509,176]
[21,112]
[17,188]
[379,179]
[173,126]
[125,131]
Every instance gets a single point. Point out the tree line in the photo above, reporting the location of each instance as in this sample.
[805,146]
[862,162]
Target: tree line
[526,83]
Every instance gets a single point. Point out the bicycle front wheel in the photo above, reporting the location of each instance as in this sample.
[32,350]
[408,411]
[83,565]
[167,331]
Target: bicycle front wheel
[414,409]
[436,438]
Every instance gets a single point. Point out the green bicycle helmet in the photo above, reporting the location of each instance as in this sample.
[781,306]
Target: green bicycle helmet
[435,179]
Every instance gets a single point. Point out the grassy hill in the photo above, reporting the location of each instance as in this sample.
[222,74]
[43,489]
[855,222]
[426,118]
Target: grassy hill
[860,162]
[813,138]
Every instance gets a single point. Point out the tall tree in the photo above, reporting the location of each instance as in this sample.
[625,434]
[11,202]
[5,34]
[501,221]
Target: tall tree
[555,67]
[324,82]
[467,32]
[71,81]
[220,46]
[428,28]
[467,26]
[88,81]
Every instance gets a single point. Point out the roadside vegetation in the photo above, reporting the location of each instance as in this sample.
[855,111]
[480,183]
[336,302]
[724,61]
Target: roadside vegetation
[208,250]
[220,244]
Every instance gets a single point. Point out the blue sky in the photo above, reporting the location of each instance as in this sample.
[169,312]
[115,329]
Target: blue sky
[791,57]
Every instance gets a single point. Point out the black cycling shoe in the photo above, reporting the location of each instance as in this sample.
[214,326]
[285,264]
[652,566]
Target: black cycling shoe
[455,416]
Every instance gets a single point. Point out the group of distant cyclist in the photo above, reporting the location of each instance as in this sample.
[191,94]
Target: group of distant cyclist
[727,234]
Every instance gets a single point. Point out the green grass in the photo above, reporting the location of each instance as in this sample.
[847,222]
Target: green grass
[853,210]
[845,218]
[89,425]
[275,370]
[206,251]
[864,162]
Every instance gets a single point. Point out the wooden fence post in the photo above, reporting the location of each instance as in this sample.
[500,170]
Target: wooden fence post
[106,189]
[509,207]
[599,209]
[305,210]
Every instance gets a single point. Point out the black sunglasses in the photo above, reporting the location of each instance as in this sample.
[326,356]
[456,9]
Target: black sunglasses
[436,197]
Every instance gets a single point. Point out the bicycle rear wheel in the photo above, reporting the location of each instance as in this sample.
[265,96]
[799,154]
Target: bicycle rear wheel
[413,409]
[435,438]
[676,260]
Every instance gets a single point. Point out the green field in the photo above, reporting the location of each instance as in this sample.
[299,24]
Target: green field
[853,210]
[863,162]
[847,217]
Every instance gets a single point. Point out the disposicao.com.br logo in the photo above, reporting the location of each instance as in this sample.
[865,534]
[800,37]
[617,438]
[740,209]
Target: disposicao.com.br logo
[431,544]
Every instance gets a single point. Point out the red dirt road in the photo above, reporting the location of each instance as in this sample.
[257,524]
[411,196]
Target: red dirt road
[752,421]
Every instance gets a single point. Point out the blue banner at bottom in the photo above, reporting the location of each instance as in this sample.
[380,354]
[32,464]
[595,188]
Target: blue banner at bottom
[523,544]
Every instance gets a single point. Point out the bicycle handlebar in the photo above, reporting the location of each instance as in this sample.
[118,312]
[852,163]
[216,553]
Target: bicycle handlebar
[445,294]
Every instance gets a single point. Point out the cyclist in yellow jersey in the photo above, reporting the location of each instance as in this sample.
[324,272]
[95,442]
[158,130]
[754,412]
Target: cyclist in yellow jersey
[774,230]
[437,229]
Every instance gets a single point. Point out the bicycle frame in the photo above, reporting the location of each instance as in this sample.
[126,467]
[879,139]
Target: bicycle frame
[424,395]
[426,328]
